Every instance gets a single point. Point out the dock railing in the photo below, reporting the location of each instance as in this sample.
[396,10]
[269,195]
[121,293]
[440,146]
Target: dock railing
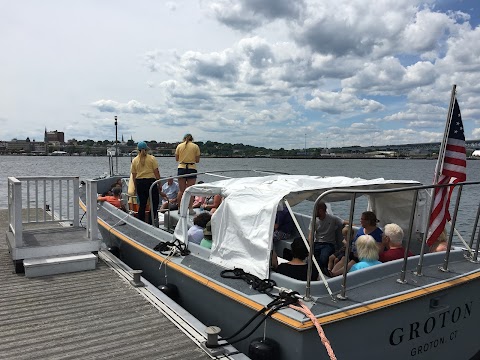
[46,199]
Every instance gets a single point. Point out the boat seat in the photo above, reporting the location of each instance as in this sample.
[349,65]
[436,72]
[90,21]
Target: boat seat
[357,278]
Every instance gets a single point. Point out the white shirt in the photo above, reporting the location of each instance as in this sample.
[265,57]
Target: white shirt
[171,190]
[195,234]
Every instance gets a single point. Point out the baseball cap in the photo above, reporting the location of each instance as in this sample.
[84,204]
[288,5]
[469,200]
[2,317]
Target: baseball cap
[142,145]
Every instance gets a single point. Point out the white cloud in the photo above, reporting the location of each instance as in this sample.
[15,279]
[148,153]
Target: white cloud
[259,72]
[341,102]
[476,133]
[131,107]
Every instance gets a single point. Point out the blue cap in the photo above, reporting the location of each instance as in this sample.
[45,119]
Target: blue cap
[142,145]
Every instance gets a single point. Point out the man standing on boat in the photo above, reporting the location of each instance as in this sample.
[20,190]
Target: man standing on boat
[188,155]
[145,171]
[328,233]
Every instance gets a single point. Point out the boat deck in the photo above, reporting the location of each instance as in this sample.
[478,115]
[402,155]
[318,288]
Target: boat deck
[90,314]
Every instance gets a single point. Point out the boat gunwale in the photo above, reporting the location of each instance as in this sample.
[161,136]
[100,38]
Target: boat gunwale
[334,316]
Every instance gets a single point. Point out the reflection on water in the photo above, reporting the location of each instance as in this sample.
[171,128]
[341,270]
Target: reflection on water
[419,170]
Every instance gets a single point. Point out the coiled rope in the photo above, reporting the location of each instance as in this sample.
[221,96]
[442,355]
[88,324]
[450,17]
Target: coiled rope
[282,300]
[165,248]
[264,286]
[323,338]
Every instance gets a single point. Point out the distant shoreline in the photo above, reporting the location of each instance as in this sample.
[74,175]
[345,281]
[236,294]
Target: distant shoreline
[262,157]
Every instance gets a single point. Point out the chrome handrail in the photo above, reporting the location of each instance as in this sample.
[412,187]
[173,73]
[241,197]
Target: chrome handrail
[209,173]
[416,188]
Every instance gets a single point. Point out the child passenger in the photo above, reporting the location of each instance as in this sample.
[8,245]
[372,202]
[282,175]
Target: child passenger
[334,258]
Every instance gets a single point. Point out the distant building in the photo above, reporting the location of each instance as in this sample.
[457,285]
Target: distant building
[19,145]
[57,137]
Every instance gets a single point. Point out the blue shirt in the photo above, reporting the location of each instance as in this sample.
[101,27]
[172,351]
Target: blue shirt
[376,234]
[364,264]
[284,221]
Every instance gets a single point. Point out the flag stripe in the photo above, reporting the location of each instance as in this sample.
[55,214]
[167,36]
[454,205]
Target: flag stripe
[452,162]
[454,170]
[455,149]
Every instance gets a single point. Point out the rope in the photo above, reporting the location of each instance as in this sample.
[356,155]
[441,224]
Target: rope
[284,299]
[305,310]
[263,286]
[164,247]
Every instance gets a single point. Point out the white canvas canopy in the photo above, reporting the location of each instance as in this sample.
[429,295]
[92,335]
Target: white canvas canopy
[242,226]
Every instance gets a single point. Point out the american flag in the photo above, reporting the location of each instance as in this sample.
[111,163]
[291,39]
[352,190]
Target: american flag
[453,170]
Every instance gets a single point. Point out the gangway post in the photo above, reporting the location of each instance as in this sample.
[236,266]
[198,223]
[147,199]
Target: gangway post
[92,228]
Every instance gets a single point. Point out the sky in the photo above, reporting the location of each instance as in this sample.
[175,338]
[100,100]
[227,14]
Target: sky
[272,73]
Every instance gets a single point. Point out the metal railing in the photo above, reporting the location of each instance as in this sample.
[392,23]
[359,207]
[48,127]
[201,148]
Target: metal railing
[472,256]
[209,173]
[46,199]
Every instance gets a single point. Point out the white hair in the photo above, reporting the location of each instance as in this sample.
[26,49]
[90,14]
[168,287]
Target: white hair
[367,248]
[394,232]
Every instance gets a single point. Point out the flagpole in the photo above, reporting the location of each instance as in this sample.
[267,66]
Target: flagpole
[438,169]
[441,157]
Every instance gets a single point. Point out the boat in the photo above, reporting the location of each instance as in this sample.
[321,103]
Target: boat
[59,153]
[421,307]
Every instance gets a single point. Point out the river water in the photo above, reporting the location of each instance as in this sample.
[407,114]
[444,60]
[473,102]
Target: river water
[399,169]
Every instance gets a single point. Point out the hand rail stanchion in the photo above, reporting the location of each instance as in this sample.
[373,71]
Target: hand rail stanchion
[76,196]
[15,211]
[44,200]
[150,197]
[418,272]
[52,207]
[474,257]
[68,200]
[342,295]
[444,268]
[474,227]
[407,247]
[28,201]
[60,198]
[36,201]
[92,229]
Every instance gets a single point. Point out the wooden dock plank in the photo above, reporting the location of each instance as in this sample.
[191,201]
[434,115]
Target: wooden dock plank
[90,314]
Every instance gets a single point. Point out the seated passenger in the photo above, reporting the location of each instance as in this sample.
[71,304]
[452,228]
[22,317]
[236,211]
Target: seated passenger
[198,200]
[367,251]
[392,240]
[327,235]
[369,221]
[207,236]
[211,203]
[284,226]
[297,268]
[114,199]
[195,233]
[169,195]
[334,259]
[441,243]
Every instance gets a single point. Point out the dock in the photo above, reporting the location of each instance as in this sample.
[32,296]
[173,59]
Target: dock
[94,314]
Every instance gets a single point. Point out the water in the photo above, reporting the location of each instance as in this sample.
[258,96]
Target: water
[404,169]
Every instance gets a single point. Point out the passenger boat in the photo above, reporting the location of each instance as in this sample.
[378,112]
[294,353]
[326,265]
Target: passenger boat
[421,307]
